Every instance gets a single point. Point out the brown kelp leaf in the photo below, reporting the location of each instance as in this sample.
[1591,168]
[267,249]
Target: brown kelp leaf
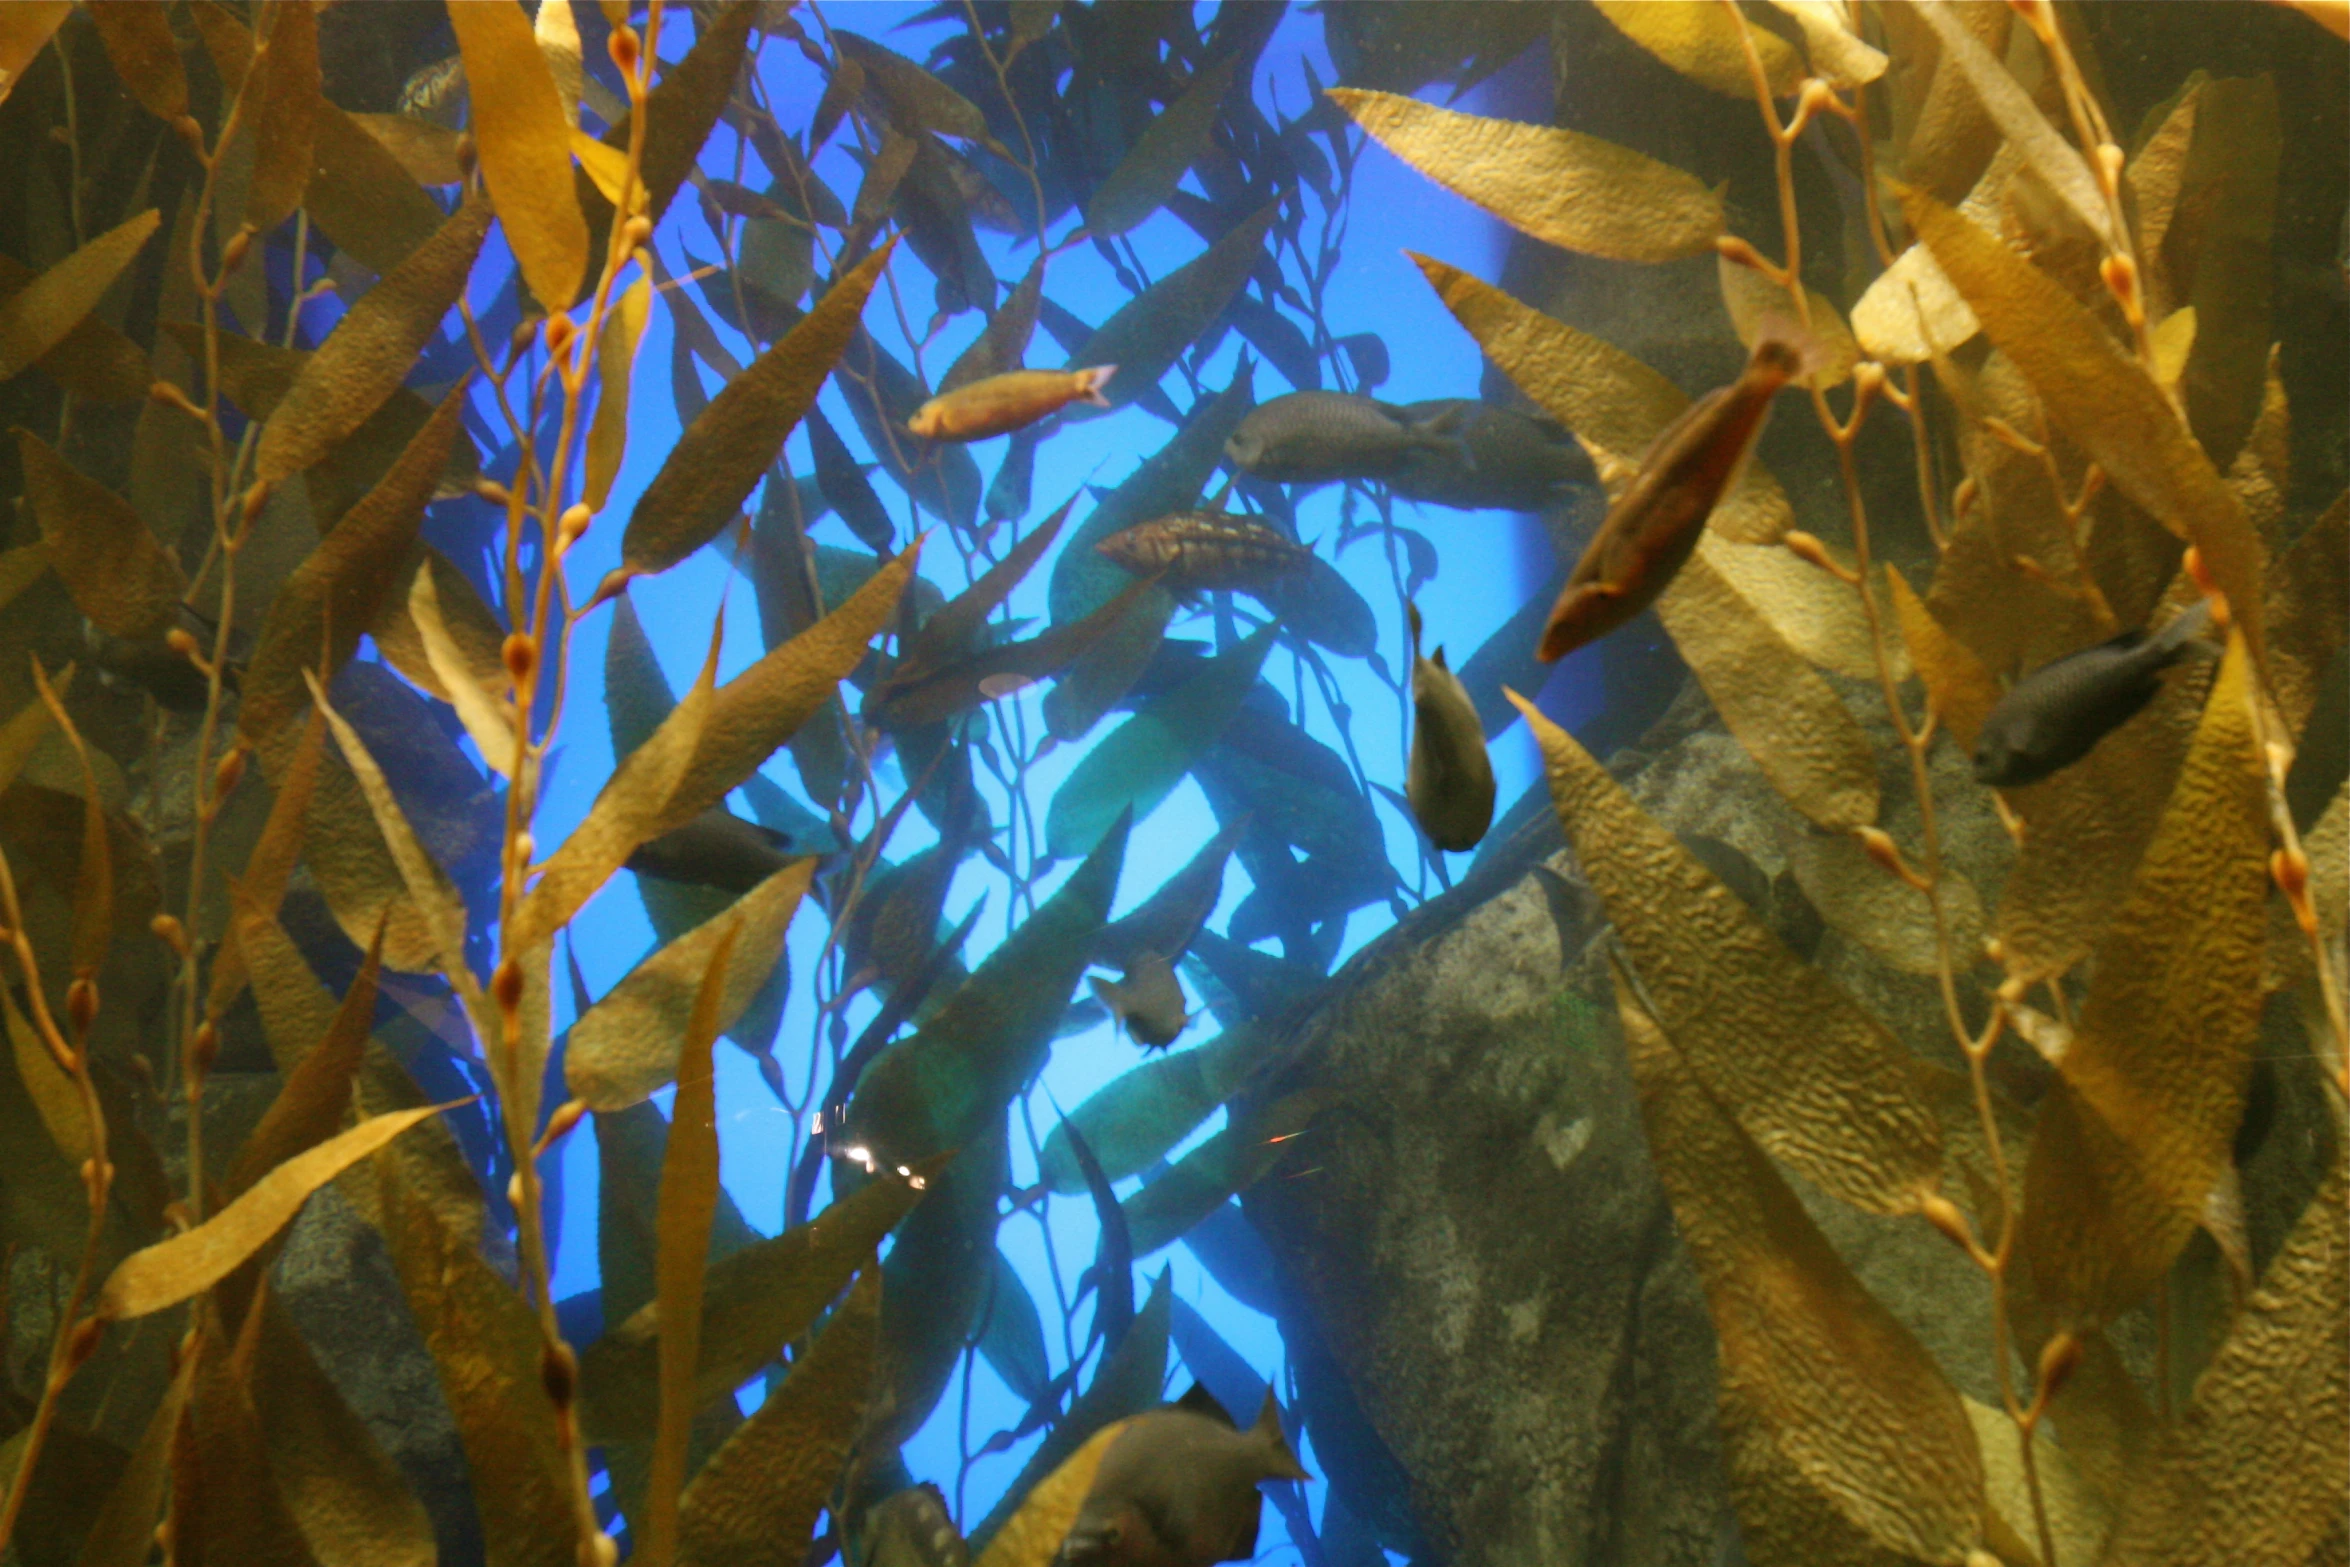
[37,317]
[1862,902]
[689,1196]
[2307,587]
[1843,1441]
[954,627]
[94,360]
[20,568]
[683,106]
[119,574]
[1838,57]
[1159,158]
[137,36]
[726,451]
[624,326]
[339,591]
[424,149]
[625,1046]
[1960,692]
[2155,173]
[1032,1536]
[754,1302]
[1700,39]
[262,889]
[1753,299]
[1811,1077]
[2054,159]
[170,1271]
[1004,343]
[525,147]
[2105,401]
[916,99]
[2227,214]
[2149,1094]
[1558,186]
[226,1503]
[477,635]
[23,31]
[1789,719]
[19,736]
[296,1010]
[998,671]
[2250,1472]
[123,1533]
[372,349]
[760,1494]
[1150,331]
[477,690]
[93,882]
[1609,399]
[282,108]
[310,1102]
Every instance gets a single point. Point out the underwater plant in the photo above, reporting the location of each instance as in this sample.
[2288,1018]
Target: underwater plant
[320,412]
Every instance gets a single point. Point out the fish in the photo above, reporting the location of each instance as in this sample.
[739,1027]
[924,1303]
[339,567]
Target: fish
[1147,1000]
[1003,403]
[1522,461]
[912,1528]
[1178,1488]
[716,849]
[1449,781]
[1195,551]
[1324,437]
[1651,530]
[2055,715]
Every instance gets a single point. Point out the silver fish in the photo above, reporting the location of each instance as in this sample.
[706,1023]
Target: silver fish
[1322,437]
[2055,715]
[1178,1488]
[1450,779]
[1519,461]
[1148,1000]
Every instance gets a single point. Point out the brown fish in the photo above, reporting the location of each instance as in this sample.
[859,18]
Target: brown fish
[1003,403]
[1178,1488]
[1148,1001]
[1651,530]
[1449,782]
[1194,551]
[912,1528]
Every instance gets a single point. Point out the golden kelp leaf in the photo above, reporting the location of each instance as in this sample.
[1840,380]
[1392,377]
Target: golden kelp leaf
[94,360]
[525,146]
[1159,158]
[2103,400]
[1837,56]
[689,1197]
[296,1010]
[339,591]
[37,317]
[624,326]
[1699,39]
[556,31]
[193,1261]
[2262,473]
[1753,299]
[760,1494]
[1843,1441]
[311,1101]
[1789,719]
[93,882]
[2227,212]
[18,738]
[283,110]
[2020,121]
[1032,1536]
[2079,1516]
[2147,1098]
[20,568]
[1821,618]
[1960,692]
[2154,174]
[2307,587]
[682,107]
[607,169]
[476,634]
[55,1099]
[372,349]
[1911,312]
[481,707]
[2172,342]
[1608,398]
[1558,186]
[119,574]
[726,451]
[625,1046]
[226,1504]
[137,36]
[2251,1471]
[1811,1077]
[1862,902]
[427,151]
[123,1533]
[23,30]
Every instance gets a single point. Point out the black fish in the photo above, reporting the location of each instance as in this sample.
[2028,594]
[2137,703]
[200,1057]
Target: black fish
[2055,715]
[715,849]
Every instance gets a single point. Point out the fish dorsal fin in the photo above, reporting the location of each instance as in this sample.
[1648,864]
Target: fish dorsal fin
[1437,658]
[1413,612]
[1199,1401]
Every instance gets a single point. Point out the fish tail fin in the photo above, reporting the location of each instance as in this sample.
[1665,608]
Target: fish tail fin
[1280,1462]
[1090,383]
[2177,639]
[1109,993]
[1788,349]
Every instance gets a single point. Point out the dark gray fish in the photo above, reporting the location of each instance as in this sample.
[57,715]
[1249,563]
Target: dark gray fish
[1147,1001]
[1518,461]
[715,849]
[1178,1488]
[1450,778]
[2055,715]
[913,1529]
[1323,437]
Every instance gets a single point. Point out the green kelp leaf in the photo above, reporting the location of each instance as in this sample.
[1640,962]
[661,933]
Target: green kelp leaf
[1558,186]
[760,1494]
[1151,330]
[1032,1536]
[123,1534]
[314,1095]
[683,107]
[1133,1121]
[917,100]
[2227,212]
[934,1283]
[1166,922]
[624,327]
[724,453]
[2102,399]
[689,1198]
[1126,1384]
[1784,712]
[1138,764]
[954,628]
[145,56]
[2149,1093]
[1609,399]
[343,587]
[372,349]
[625,1046]
[1700,39]
[1011,1334]
[93,880]
[1811,1077]
[940,1087]
[282,109]
[525,147]
[754,1301]
[1159,158]
[1004,669]
[2054,159]
[1003,345]
[631,1146]
[1843,1441]
[119,574]
[1215,1172]
[170,1271]
[38,316]
[2251,1471]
